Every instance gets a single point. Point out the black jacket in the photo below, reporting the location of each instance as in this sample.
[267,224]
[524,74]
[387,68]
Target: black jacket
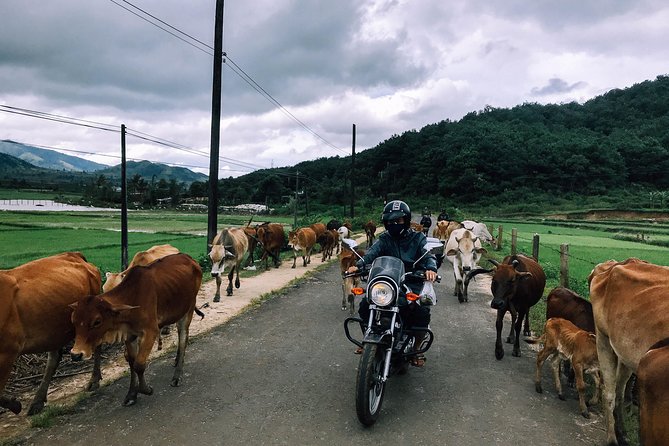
[407,248]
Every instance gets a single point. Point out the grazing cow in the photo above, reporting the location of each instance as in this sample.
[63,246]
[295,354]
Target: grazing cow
[631,310]
[272,238]
[565,341]
[463,250]
[327,240]
[444,228]
[370,232]
[140,258]
[149,298]
[35,318]
[652,378]
[480,230]
[227,249]
[517,283]
[347,258]
[302,240]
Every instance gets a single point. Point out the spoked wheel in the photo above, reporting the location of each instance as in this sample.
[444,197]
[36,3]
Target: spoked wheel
[369,385]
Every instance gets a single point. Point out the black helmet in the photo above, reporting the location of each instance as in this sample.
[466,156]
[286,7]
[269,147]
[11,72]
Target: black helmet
[394,210]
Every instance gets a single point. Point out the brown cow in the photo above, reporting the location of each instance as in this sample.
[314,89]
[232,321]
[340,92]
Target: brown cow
[149,298]
[566,304]
[227,249]
[631,310]
[653,381]
[565,341]
[517,284]
[252,238]
[444,228]
[347,259]
[416,226]
[370,232]
[319,228]
[302,240]
[35,318]
[272,238]
[141,258]
[327,240]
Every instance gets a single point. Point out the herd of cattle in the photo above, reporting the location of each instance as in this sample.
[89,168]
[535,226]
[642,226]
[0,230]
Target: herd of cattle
[623,329]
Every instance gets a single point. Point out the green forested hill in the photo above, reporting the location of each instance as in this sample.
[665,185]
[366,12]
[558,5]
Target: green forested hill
[617,143]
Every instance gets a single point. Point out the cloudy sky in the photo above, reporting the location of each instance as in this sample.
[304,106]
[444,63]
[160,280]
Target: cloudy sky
[385,65]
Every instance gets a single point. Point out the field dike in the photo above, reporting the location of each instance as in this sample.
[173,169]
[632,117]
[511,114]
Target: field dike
[67,392]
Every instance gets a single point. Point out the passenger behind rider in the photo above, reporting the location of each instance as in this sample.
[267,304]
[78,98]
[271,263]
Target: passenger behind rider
[402,242]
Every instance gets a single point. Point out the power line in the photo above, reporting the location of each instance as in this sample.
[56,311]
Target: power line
[234,67]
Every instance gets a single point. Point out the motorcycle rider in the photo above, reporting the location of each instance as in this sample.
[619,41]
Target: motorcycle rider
[402,242]
[443,216]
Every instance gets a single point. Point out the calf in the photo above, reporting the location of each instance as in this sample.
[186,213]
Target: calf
[463,250]
[347,258]
[302,240]
[35,318]
[227,249]
[565,341]
[149,298]
[653,381]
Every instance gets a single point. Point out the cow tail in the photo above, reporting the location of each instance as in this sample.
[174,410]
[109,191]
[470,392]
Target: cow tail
[535,340]
[199,313]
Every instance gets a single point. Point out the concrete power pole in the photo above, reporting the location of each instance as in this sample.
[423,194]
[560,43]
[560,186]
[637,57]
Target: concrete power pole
[215,125]
[352,176]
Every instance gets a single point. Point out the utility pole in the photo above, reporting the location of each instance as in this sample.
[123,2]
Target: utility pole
[297,188]
[215,125]
[124,205]
[352,176]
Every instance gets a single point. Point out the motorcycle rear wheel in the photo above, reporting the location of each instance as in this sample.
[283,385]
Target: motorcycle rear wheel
[369,386]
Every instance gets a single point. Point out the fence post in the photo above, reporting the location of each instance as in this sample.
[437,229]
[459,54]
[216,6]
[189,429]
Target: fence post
[535,247]
[564,265]
[514,241]
[500,232]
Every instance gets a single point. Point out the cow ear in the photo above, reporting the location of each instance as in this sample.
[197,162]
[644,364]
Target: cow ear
[451,252]
[524,274]
[481,250]
[117,309]
[74,305]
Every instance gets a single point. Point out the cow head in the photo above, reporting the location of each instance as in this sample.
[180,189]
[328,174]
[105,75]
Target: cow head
[218,255]
[293,240]
[505,283]
[468,251]
[95,321]
[112,281]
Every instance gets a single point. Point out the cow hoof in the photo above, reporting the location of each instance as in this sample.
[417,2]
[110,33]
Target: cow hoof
[93,386]
[293,266]
[229,293]
[130,400]
[508,340]
[515,353]
[586,414]
[344,308]
[538,388]
[461,299]
[499,354]
[147,390]
[217,298]
[561,396]
[175,382]
[34,408]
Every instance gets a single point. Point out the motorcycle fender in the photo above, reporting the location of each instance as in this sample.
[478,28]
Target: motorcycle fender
[376,338]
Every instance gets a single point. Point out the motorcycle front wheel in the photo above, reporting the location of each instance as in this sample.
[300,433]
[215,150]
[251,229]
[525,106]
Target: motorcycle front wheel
[369,384]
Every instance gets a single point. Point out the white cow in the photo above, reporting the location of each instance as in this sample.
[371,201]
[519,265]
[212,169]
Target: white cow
[463,250]
[480,230]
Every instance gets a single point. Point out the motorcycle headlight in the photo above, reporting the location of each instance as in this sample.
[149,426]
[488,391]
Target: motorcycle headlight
[382,294]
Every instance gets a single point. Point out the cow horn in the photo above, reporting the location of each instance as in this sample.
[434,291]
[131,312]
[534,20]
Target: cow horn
[515,263]
[475,272]
[494,262]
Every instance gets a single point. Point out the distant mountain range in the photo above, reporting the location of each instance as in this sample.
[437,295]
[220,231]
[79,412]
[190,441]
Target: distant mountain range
[22,161]
[48,159]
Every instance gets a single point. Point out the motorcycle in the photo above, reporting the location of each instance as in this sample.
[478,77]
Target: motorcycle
[388,345]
